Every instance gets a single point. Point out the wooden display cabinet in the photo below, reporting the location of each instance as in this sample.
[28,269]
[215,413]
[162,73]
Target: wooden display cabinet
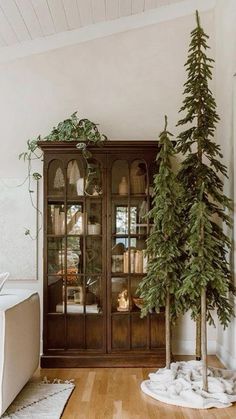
[95,231]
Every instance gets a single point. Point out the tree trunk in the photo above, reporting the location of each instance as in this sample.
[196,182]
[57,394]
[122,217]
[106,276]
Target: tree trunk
[168,337]
[198,354]
[204,339]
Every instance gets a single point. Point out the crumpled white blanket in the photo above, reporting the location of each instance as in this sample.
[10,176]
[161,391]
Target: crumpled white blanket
[181,385]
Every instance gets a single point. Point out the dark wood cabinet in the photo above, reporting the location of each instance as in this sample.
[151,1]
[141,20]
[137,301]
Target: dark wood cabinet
[95,231]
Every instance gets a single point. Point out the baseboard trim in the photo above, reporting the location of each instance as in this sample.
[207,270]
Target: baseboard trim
[187,347]
[225,357]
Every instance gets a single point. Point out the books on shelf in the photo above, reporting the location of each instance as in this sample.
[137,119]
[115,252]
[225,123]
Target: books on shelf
[126,262]
[77,308]
[138,268]
[138,261]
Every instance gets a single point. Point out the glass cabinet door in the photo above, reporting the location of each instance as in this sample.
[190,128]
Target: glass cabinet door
[130,227]
[74,252]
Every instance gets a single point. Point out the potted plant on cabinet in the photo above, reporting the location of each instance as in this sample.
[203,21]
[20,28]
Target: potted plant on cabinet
[84,131]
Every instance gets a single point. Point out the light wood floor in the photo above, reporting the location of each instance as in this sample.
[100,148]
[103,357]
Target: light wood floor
[114,393]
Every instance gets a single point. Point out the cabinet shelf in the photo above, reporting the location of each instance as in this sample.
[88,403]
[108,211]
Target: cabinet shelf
[58,236]
[114,275]
[56,198]
[93,235]
[131,196]
[73,235]
[120,313]
[79,274]
[131,312]
[126,236]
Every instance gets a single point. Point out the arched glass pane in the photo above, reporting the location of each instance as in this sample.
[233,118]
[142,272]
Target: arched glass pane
[75,179]
[93,181]
[56,179]
[138,177]
[120,177]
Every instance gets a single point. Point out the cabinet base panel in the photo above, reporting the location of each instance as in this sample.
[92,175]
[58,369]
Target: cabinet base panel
[156,360]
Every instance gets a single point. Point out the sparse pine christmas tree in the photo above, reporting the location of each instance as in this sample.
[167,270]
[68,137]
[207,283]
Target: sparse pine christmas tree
[207,277]
[158,288]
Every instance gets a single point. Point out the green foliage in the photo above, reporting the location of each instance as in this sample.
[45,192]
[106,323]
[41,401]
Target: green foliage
[164,243]
[206,206]
[72,129]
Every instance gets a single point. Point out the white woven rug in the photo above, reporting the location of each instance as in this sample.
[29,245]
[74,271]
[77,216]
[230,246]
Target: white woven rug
[40,400]
[181,385]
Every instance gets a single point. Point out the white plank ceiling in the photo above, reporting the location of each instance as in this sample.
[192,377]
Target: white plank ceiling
[25,20]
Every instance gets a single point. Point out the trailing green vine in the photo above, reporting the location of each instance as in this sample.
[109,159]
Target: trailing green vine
[72,129]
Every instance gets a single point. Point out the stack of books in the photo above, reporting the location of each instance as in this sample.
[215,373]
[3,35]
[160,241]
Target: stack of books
[77,308]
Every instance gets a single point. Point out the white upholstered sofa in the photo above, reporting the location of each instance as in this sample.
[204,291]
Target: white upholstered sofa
[19,341]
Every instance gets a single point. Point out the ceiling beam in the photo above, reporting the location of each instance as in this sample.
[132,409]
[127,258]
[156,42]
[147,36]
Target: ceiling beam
[102,29]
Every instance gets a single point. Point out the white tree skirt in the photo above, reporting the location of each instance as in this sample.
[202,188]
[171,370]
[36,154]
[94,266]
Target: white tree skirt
[181,385]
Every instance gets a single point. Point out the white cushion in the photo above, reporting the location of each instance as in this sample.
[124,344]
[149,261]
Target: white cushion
[19,341]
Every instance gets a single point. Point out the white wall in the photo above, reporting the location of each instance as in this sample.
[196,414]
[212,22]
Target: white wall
[225,18]
[126,82]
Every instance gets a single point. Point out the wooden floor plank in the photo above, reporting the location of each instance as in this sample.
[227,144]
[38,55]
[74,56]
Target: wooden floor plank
[114,393]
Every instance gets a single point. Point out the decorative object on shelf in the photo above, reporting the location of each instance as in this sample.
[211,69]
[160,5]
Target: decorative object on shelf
[90,297]
[79,295]
[96,190]
[118,249]
[117,263]
[72,258]
[74,294]
[59,181]
[72,129]
[123,186]
[94,228]
[80,186]
[123,301]
[93,179]
[138,302]
[71,275]
[138,178]
[118,258]
[73,172]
